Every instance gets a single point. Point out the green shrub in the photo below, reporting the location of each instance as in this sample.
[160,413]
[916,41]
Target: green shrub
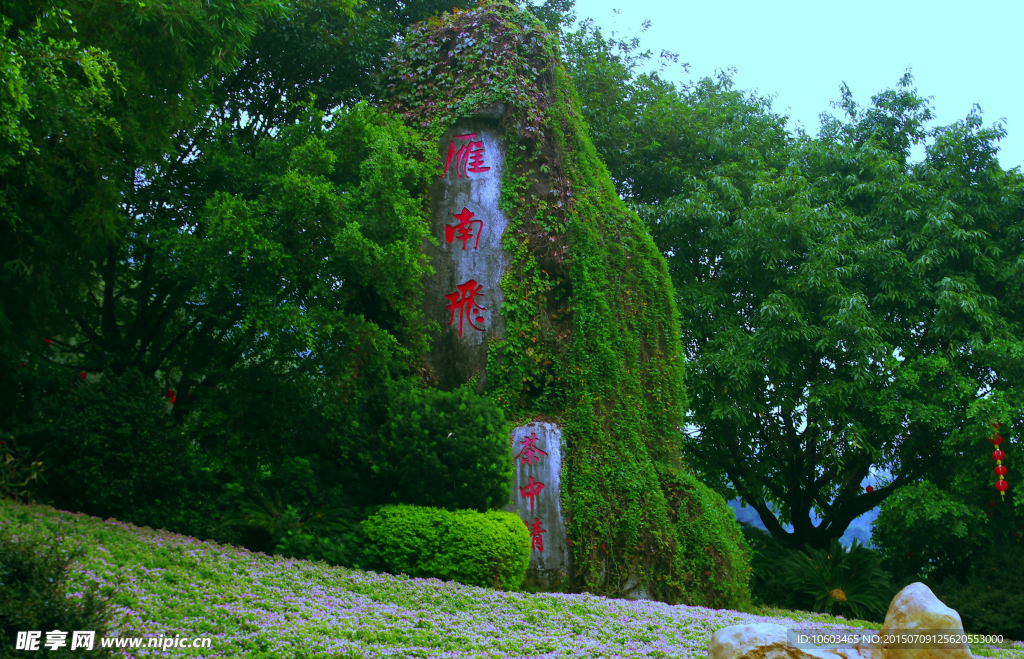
[306,529]
[923,532]
[712,556]
[489,549]
[446,449]
[109,447]
[20,474]
[33,596]
[340,548]
[849,582]
[766,553]
[838,581]
[990,600]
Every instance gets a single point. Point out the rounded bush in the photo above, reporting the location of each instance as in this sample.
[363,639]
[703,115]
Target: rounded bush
[489,549]
[447,450]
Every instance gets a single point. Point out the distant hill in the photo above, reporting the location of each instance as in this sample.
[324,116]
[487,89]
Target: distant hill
[860,529]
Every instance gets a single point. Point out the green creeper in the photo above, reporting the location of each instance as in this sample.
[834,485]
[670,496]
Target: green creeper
[592,335]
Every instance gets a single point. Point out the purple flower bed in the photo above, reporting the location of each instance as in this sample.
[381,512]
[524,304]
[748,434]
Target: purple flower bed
[253,605]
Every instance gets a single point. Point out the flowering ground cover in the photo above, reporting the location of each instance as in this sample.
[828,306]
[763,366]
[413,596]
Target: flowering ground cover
[258,606]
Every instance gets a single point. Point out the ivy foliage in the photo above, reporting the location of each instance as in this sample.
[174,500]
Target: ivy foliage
[591,329]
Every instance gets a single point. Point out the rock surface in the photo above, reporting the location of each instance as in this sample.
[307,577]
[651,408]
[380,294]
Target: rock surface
[537,499]
[736,640]
[464,294]
[764,640]
[914,609]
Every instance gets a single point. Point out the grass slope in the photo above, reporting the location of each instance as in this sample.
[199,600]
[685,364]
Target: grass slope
[254,606]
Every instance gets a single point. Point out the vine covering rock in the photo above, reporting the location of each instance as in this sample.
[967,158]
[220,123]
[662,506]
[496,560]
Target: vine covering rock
[592,334]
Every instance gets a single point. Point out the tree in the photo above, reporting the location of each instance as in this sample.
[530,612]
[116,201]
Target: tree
[842,308]
[93,90]
[267,273]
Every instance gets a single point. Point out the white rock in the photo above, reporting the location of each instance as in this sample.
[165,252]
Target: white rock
[915,608]
[763,640]
[736,640]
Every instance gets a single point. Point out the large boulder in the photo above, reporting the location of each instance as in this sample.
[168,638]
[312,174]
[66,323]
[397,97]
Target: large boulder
[762,640]
[551,292]
[914,609]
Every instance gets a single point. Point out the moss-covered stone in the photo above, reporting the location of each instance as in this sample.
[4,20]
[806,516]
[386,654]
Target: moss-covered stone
[591,334]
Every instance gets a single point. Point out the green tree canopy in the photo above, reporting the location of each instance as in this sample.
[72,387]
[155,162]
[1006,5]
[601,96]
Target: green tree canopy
[92,91]
[842,307]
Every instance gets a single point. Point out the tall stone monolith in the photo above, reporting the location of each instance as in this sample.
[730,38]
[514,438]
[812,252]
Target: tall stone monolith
[552,295]
[464,297]
[537,498]
[464,294]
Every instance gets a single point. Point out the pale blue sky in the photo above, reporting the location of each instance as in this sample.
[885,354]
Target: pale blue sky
[961,53]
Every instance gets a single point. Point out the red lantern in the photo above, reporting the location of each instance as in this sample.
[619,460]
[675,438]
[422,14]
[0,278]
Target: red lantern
[47,341]
[169,394]
[869,488]
[81,376]
[173,398]
[998,455]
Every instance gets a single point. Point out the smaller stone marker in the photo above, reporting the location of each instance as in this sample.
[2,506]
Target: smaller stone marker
[537,498]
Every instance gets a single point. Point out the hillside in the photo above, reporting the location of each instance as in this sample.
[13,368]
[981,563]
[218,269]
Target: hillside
[253,605]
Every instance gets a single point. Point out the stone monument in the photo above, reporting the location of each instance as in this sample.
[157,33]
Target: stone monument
[552,297]
[464,295]
[537,498]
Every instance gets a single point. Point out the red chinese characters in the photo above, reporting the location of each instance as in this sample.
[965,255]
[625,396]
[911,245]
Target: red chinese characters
[532,489]
[464,229]
[469,156]
[529,452]
[464,302]
[536,541]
